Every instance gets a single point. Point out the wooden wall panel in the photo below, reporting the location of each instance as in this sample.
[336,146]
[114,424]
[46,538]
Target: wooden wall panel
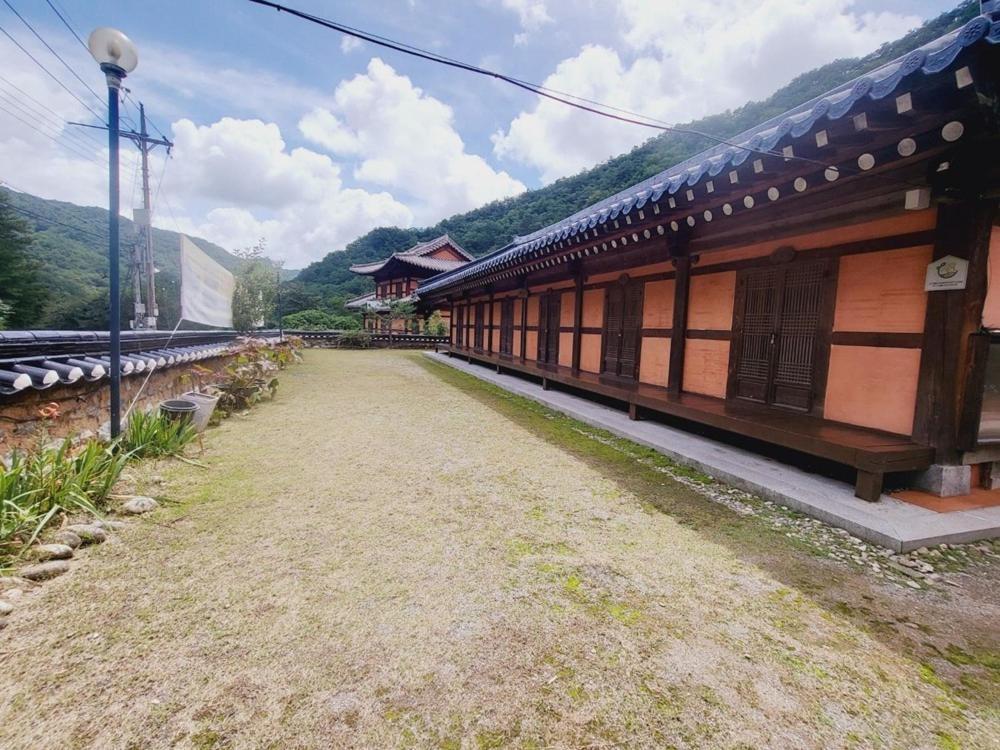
[664,267]
[532,312]
[566,349]
[593,308]
[658,304]
[706,367]
[566,307]
[654,361]
[590,352]
[883,291]
[991,308]
[906,222]
[495,336]
[516,349]
[873,387]
[710,305]
[531,343]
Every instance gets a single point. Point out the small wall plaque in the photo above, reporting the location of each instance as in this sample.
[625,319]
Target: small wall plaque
[946,273]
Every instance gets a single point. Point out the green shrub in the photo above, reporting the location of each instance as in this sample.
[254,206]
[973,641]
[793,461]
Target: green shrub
[42,484]
[320,320]
[153,435]
[354,340]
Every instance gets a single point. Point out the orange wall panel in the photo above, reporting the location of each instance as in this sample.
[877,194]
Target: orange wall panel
[566,307]
[706,367]
[532,311]
[495,338]
[905,223]
[873,387]
[658,304]
[654,360]
[566,349]
[710,301]
[590,352]
[593,308]
[531,344]
[664,267]
[883,291]
[991,309]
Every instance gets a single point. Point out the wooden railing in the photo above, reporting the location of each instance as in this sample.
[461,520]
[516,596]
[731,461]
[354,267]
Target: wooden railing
[370,339]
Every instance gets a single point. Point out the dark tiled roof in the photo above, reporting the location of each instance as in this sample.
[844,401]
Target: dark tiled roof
[416,256]
[933,57]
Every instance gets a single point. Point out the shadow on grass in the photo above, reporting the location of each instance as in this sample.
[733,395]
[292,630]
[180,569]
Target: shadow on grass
[933,628]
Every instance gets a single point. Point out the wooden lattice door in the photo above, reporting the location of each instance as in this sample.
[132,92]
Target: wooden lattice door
[548,328]
[776,333]
[507,326]
[460,325]
[622,328]
[479,326]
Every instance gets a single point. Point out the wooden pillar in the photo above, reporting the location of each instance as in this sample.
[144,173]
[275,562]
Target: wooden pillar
[952,317]
[675,376]
[451,323]
[524,322]
[489,331]
[577,319]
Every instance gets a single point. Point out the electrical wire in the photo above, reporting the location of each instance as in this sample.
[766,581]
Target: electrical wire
[588,105]
[41,124]
[49,220]
[50,74]
[39,111]
[50,49]
[34,126]
[68,25]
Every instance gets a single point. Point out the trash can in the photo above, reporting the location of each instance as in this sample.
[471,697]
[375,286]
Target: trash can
[206,406]
[179,409]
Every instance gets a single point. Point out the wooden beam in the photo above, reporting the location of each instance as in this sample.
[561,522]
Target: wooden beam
[524,322]
[675,376]
[489,333]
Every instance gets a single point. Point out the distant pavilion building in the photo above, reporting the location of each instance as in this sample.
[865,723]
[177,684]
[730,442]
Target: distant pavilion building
[396,279]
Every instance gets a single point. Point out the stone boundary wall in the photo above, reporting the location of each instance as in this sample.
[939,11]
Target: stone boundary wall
[83,406]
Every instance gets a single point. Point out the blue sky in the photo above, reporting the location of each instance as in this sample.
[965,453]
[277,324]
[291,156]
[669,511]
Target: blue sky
[288,132]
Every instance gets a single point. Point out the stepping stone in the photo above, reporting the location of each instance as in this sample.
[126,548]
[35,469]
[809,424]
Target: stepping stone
[109,525]
[5,608]
[88,533]
[44,571]
[139,505]
[43,552]
[68,538]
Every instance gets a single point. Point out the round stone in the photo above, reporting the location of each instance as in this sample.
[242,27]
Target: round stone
[5,608]
[43,552]
[44,571]
[88,533]
[68,538]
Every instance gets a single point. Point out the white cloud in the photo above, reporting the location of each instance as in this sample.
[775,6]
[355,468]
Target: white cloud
[349,43]
[681,61]
[406,141]
[532,16]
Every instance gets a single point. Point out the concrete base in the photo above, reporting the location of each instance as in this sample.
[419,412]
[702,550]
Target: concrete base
[890,522]
[944,481]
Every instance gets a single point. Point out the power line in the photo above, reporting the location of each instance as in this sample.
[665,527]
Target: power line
[40,121]
[67,25]
[49,73]
[34,126]
[49,48]
[35,110]
[543,91]
[39,105]
[47,219]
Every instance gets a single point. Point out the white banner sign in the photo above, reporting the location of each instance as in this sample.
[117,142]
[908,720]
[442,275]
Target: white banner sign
[206,288]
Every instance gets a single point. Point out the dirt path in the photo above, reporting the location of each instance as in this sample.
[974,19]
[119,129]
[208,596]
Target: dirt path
[394,556]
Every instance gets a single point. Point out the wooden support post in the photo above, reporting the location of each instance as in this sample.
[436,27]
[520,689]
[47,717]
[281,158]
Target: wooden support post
[952,317]
[633,411]
[545,384]
[577,319]
[451,323]
[675,376]
[489,331]
[524,323]
[868,485]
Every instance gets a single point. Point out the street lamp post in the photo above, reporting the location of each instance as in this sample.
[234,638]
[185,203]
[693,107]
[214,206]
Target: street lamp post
[117,57]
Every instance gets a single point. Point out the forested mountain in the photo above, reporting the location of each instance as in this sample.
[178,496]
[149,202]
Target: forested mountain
[68,266]
[325,283]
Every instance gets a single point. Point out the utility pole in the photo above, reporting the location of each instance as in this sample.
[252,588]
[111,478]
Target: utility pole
[144,283]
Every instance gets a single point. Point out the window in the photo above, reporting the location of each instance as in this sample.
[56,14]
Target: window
[507,326]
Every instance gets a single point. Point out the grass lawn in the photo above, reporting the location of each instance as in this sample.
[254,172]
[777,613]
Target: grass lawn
[395,554]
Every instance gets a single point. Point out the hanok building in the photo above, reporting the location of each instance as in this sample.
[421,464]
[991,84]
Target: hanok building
[825,282]
[396,279]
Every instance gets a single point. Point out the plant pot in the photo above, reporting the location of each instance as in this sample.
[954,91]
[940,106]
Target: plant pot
[178,409]
[206,406]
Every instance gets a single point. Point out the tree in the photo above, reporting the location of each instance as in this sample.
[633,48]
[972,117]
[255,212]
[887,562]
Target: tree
[320,320]
[256,292]
[400,309]
[5,312]
[436,325]
[24,294]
